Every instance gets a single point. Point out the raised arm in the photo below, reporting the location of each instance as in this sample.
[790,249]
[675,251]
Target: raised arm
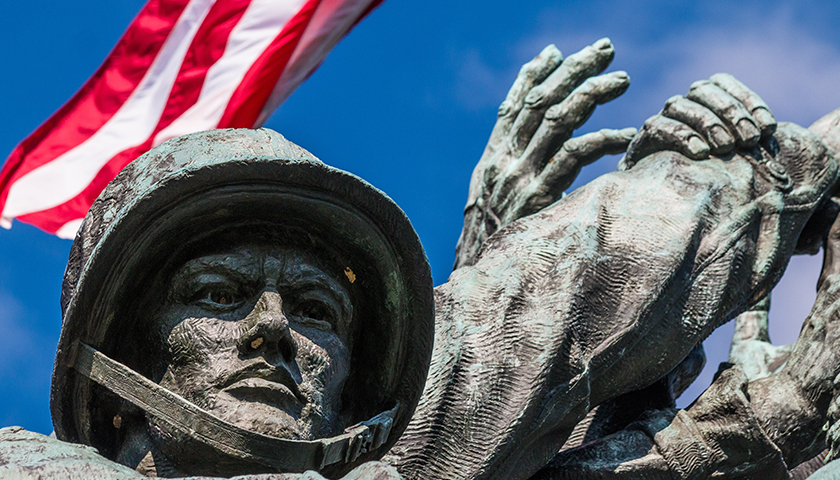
[603,293]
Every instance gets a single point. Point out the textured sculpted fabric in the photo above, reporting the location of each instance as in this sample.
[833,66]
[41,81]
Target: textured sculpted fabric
[600,294]
[718,436]
[26,455]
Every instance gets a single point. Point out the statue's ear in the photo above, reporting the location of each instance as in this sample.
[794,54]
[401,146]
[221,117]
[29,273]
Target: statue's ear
[828,129]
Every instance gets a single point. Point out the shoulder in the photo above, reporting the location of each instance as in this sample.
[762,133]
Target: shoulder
[25,454]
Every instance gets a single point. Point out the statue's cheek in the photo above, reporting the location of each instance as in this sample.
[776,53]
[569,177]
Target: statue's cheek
[322,357]
[194,341]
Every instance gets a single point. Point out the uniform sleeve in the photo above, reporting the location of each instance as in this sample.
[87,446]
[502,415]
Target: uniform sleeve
[28,455]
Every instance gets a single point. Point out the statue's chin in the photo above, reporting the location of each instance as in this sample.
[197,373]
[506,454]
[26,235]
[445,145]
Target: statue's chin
[191,457]
[251,411]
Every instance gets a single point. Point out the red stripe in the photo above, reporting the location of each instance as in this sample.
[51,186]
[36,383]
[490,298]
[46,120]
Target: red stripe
[52,219]
[100,97]
[207,47]
[247,100]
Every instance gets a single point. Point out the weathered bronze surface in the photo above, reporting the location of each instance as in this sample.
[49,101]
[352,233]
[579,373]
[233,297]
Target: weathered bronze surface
[233,306]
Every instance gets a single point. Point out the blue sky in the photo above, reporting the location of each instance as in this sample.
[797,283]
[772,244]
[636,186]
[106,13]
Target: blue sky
[407,102]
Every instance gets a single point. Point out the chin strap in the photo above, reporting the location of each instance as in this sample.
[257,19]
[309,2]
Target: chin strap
[284,455]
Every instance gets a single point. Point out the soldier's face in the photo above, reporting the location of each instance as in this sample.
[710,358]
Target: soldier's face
[260,337]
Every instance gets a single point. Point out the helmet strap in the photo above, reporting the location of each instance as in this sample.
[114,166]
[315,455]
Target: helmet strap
[281,454]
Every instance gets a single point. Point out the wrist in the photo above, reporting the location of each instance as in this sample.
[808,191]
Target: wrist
[789,416]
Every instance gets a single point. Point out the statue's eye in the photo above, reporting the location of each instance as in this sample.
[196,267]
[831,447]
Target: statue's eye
[222,297]
[314,314]
[218,297]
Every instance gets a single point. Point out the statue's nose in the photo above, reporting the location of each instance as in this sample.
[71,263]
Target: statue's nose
[267,329]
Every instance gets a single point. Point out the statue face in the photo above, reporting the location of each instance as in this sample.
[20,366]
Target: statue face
[260,337]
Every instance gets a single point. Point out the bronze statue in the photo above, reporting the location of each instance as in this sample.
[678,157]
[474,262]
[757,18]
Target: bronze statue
[233,306]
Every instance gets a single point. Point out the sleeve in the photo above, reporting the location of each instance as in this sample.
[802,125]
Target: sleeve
[28,455]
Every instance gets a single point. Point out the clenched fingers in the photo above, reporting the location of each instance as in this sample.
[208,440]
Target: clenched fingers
[755,105]
[733,113]
[703,121]
[662,133]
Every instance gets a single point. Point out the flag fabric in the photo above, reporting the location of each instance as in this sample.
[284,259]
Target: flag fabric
[181,66]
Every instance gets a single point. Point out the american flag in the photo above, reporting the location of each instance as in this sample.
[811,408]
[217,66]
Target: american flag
[182,66]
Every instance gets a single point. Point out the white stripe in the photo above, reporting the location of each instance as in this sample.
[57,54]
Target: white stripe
[69,174]
[69,229]
[261,23]
[329,24]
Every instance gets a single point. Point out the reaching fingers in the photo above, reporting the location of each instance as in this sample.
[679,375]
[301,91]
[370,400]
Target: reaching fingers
[703,121]
[581,151]
[562,119]
[562,169]
[662,133]
[733,113]
[532,73]
[590,61]
[755,105]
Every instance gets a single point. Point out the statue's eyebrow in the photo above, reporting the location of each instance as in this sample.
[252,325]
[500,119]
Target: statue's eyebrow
[240,268]
[310,277]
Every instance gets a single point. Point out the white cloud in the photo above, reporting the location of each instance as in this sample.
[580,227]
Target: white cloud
[795,72]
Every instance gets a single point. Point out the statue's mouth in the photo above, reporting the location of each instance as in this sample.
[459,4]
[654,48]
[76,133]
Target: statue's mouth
[265,391]
[265,383]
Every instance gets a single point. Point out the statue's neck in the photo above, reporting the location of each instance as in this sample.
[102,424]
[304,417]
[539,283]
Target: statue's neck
[139,452]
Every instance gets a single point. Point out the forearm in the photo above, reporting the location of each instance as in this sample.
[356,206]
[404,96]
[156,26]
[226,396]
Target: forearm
[753,429]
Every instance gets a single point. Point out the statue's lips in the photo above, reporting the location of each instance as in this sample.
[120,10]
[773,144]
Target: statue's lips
[263,382]
[263,390]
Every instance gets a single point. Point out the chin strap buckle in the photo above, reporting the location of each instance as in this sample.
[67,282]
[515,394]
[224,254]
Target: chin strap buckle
[358,439]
